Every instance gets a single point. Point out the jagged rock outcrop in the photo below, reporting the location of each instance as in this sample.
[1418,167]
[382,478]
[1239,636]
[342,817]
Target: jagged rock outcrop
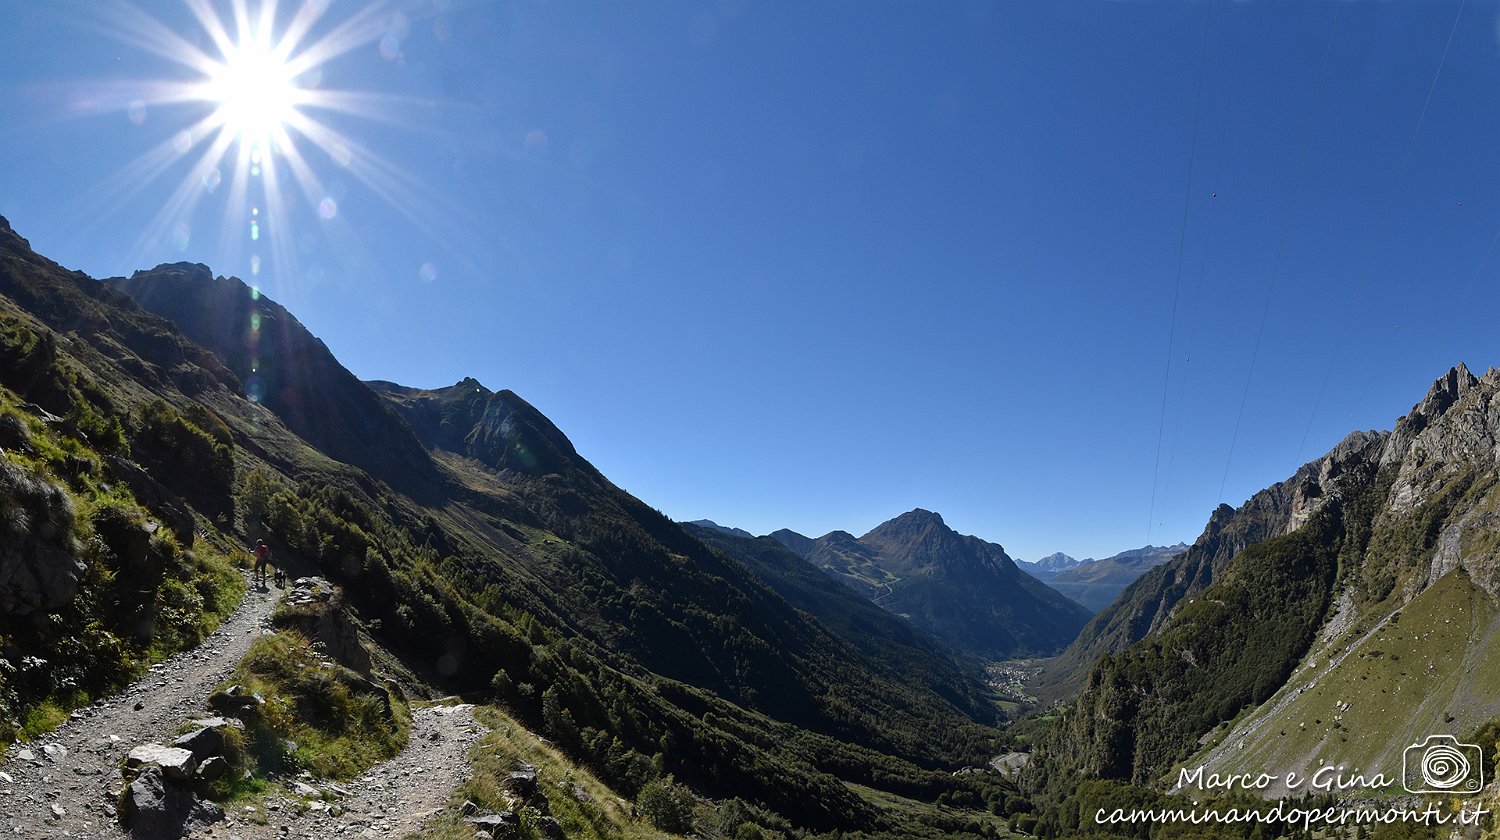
[316,609]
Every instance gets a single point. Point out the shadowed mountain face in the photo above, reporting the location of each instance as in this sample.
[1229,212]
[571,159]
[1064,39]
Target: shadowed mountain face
[723,529]
[284,367]
[961,589]
[885,638]
[497,429]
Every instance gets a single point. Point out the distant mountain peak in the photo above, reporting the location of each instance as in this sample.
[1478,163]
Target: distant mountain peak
[799,544]
[1058,561]
[922,516]
[469,383]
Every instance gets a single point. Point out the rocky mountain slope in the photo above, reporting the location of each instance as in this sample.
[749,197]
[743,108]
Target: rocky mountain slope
[961,589]
[1335,618]
[462,524]
[1096,583]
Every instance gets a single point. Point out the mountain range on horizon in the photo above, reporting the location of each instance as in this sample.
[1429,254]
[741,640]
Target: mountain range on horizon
[1096,583]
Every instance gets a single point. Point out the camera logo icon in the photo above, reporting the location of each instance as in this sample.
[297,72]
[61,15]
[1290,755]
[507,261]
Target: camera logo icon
[1442,764]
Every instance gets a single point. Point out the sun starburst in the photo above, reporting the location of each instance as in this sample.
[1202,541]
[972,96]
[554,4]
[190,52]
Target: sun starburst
[262,125]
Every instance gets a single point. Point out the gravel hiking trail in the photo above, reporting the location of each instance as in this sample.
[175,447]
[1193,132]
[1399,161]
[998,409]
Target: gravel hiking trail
[63,784]
[393,799]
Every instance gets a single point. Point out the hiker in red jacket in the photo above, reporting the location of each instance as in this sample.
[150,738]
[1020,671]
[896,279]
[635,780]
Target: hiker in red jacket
[262,559]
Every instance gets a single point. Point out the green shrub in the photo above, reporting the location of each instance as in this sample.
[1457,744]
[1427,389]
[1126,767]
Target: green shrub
[668,805]
[195,463]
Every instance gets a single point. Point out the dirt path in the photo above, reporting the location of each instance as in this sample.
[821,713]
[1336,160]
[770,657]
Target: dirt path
[391,800]
[63,785]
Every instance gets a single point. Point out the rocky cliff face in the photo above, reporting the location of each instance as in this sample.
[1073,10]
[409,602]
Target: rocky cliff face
[496,428]
[1330,556]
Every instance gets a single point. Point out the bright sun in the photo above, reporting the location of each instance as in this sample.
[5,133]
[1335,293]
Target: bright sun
[256,92]
[260,106]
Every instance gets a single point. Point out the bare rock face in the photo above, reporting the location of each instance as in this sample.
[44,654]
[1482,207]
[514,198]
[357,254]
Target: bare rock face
[39,569]
[1447,443]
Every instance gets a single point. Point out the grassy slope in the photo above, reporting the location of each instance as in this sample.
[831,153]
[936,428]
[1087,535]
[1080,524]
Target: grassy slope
[1432,670]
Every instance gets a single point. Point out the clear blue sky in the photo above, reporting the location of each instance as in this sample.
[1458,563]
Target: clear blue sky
[810,265]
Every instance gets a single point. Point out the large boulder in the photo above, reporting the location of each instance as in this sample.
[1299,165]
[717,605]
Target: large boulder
[235,700]
[522,781]
[153,807]
[500,826]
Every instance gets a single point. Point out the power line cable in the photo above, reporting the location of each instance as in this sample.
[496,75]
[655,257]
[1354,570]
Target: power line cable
[1393,207]
[1203,262]
[1187,196]
[1281,246]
